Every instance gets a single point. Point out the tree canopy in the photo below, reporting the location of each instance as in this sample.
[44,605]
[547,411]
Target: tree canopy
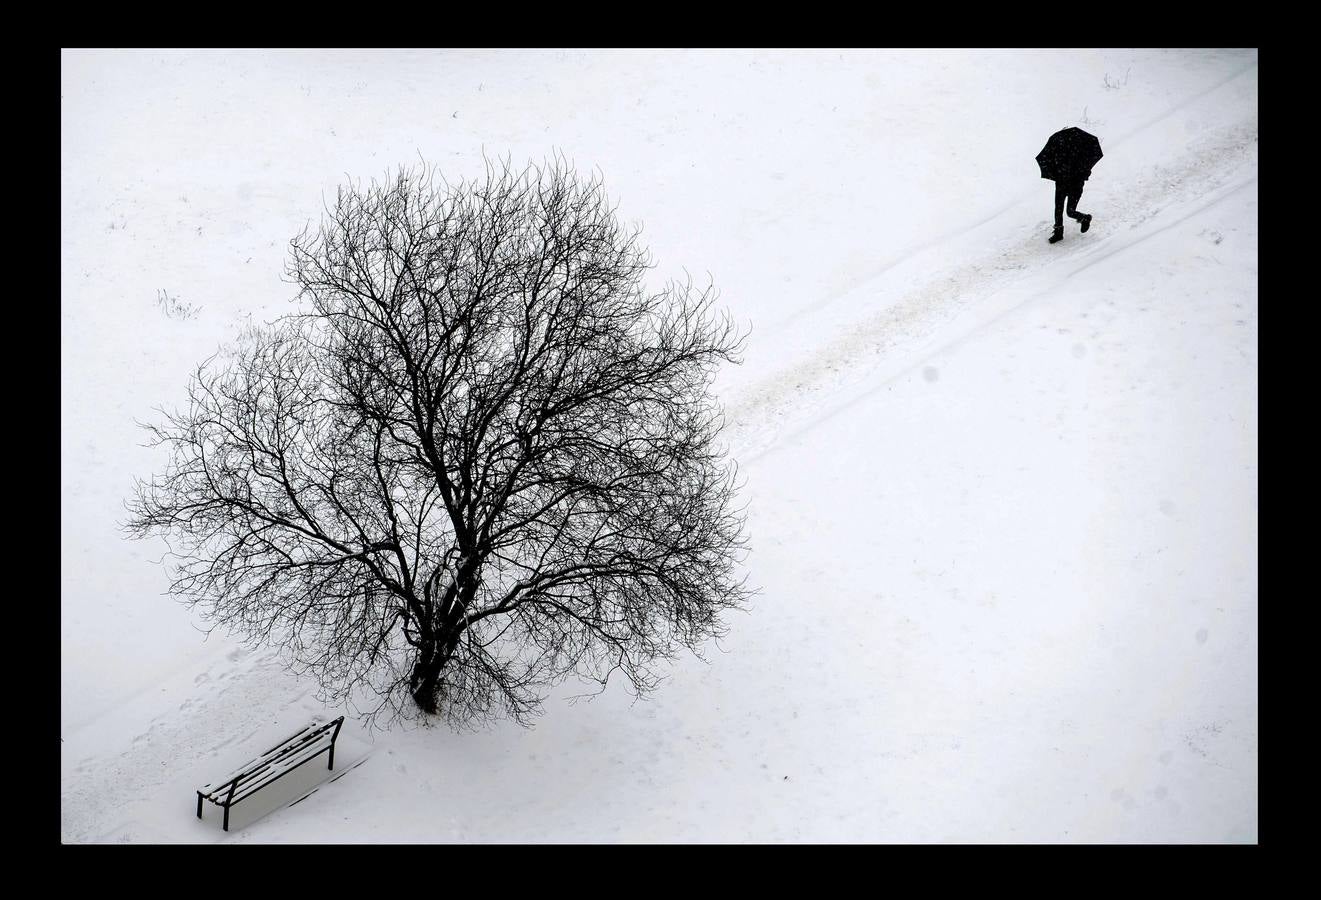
[481,456]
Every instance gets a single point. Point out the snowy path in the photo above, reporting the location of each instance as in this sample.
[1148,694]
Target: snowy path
[909,321]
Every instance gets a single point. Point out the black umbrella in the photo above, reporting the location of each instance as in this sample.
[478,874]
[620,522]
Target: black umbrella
[1069,154]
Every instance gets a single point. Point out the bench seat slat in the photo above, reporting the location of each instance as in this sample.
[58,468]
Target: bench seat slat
[261,757]
[274,768]
[252,787]
[301,745]
[259,775]
[248,766]
[261,764]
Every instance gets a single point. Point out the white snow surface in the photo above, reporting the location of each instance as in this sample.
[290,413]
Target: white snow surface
[1002,495]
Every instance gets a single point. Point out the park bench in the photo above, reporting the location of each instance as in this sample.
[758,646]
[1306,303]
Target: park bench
[304,746]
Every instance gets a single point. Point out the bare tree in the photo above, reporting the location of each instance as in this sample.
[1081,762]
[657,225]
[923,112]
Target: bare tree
[480,457]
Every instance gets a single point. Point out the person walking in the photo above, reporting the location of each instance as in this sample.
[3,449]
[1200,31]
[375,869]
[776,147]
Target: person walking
[1069,189]
[1068,159]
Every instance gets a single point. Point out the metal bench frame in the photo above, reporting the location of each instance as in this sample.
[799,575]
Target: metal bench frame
[258,774]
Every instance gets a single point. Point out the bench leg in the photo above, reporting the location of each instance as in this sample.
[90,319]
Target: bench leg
[332,757]
[227,818]
[199,804]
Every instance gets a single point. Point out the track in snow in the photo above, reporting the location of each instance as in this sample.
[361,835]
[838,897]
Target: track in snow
[922,321]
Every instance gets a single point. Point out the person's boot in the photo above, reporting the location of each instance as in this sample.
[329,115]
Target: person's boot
[1058,234]
[1086,222]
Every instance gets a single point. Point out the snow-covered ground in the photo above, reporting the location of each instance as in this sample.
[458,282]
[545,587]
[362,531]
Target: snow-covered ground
[1002,495]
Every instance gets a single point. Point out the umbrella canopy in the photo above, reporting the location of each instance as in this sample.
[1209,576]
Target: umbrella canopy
[1069,154]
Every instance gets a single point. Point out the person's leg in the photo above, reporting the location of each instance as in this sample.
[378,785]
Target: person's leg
[1075,191]
[1083,219]
[1061,191]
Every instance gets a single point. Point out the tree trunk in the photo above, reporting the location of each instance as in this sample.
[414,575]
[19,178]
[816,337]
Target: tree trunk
[426,677]
[432,658]
[437,647]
